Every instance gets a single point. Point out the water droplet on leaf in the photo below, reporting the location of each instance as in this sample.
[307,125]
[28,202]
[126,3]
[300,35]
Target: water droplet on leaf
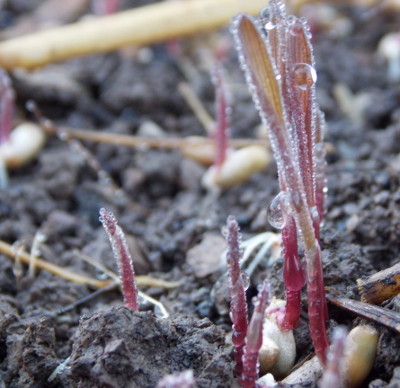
[246,280]
[305,75]
[269,26]
[274,212]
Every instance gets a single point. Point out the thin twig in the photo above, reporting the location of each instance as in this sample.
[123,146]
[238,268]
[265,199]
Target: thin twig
[196,105]
[135,141]
[53,268]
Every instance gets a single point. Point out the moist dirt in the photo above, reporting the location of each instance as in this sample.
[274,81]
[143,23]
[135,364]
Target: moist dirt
[172,224]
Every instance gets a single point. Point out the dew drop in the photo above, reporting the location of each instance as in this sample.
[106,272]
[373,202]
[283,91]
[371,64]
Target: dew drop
[305,75]
[40,236]
[101,275]
[269,26]
[278,77]
[274,212]
[246,280]
[265,13]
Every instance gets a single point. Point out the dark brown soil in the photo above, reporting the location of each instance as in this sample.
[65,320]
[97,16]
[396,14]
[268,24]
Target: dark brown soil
[165,213]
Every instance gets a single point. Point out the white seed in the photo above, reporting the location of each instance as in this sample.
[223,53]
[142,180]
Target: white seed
[284,340]
[238,167]
[268,355]
[359,355]
[25,141]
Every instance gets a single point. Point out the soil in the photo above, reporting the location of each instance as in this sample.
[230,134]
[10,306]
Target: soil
[165,212]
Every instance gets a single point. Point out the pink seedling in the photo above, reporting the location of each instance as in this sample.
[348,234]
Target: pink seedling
[334,364]
[223,110]
[7,97]
[124,260]
[254,339]
[237,292]
[276,55]
[230,167]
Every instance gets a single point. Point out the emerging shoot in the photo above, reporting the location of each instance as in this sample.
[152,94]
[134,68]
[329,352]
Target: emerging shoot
[238,308]
[124,260]
[254,339]
[230,167]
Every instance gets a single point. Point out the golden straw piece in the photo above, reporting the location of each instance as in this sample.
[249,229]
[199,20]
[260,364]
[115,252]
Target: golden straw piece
[55,269]
[140,26]
[24,257]
[135,141]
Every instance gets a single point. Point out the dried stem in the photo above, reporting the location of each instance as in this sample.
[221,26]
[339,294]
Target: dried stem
[140,26]
[123,258]
[238,308]
[135,141]
[24,257]
[196,105]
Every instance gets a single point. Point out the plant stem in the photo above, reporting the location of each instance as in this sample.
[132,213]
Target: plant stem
[238,307]
[254,339]
[123,258]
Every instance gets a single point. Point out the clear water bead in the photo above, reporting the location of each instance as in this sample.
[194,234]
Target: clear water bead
[246,280]
[304,75]
[274,212]
[265,13]
[269,26]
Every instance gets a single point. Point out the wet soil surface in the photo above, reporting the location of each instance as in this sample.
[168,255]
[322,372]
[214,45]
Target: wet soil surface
[172,226]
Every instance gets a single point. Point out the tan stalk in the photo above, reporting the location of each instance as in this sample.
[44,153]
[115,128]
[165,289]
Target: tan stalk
[135,141]
[55,269]
[140,26]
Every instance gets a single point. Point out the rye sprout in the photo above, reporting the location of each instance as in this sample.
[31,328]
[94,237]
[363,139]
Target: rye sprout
[276,55]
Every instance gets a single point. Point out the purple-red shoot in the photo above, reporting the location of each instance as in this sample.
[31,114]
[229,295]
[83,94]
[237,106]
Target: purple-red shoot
[221,131]
[238,308]
[276,55]
[254,339]
[331,377]
[124,260]
[7,97]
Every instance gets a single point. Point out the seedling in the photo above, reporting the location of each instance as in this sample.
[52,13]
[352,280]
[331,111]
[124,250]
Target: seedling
[276,55]
[334,365]
[230,167]
[246,338]
[238,310]
[254,338]
[124,260]
[7,97]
